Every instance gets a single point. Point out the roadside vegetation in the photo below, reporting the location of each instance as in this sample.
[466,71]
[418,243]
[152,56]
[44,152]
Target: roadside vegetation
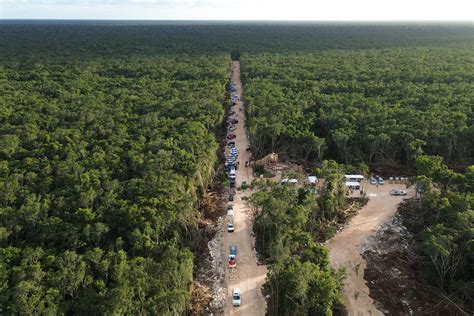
[373,108]
[289,226]
[443,225]
[102,163]
[376,106]
[107,141]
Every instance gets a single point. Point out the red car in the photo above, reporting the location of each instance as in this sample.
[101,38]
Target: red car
[232,261]
[231,136]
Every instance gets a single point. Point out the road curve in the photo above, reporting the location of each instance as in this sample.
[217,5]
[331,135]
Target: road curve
[345,247]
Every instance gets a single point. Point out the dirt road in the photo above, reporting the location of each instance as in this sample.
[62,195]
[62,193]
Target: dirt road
[345,247]
[248,276]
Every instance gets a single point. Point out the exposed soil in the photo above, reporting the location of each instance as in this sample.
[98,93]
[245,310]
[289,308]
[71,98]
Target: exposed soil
[346,246]
[248,276]
[214,281]
[392,274]
[209,276]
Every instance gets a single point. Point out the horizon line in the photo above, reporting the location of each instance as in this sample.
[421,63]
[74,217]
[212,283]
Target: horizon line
[217,20]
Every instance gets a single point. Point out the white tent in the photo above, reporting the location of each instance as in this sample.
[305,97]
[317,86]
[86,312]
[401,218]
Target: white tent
[354,177]
[353,185]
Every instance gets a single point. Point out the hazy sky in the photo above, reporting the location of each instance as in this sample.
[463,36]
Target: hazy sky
[240,9]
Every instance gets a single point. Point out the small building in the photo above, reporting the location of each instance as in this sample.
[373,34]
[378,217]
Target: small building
[353,185]
[312,180]
[354,177]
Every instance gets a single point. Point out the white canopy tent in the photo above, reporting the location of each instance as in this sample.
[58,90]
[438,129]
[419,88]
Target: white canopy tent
[354,177]
[353,185]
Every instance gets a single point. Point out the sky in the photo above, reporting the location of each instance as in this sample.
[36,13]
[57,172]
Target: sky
[318,10]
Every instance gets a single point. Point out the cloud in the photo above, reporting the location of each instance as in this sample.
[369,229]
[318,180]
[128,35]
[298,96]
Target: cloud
[115,2]
[239,9]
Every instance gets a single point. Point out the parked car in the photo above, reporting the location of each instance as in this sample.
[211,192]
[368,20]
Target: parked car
[398,192]
[233,249]
[231,197]
[232,128]
[230,227]
[236,298]
[232,261]
[373,180]
[380,180]
[232,183]
[228,166]
[234,121]
[231,136]
[231,145]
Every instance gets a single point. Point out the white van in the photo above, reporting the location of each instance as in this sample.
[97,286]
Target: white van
[236,299]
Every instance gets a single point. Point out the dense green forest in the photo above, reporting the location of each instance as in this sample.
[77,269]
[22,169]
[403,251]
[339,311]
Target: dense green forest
[50,40]
[107,139]
[101,165]
[300,279]
[372,106]
[443,223]
[288,228]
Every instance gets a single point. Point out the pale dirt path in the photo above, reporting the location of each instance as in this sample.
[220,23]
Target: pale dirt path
[248,276]
[345,247]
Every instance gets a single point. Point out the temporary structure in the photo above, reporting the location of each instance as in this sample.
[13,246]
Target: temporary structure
[353,185]
[354,177]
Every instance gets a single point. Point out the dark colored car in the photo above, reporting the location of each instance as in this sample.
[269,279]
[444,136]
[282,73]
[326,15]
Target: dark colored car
[234,121]
[233,249]
[230,144]
[231,136]
[231,197]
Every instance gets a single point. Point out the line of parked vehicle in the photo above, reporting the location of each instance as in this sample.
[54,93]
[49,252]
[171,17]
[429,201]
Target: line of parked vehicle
[378,180]
[231,165]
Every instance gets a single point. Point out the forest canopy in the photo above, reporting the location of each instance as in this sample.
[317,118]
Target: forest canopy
[101,166]
[370,106]
[107,139]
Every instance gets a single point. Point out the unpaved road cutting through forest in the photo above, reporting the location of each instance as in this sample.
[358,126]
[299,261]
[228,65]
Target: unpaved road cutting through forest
[248,276]
[345,247]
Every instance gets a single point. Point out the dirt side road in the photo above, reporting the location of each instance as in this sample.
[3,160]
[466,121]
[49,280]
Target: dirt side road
[248,276]
[345,247]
